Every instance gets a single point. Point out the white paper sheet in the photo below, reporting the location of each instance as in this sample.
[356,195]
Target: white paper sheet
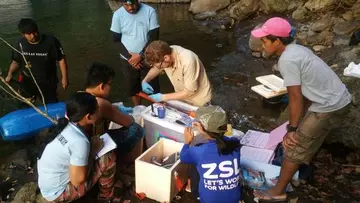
[256,139]
[256,154]
[109,145]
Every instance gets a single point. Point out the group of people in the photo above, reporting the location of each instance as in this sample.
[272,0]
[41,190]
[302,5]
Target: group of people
[68,165]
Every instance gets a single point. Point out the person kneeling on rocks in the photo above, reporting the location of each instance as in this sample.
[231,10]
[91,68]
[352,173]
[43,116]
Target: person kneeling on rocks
[216,157]
[128,138]
[67,166]
[318,100]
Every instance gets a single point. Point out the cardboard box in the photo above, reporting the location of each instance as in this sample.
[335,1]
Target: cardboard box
[156,182]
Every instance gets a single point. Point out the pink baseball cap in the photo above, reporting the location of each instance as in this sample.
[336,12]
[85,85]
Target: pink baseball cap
[276,26]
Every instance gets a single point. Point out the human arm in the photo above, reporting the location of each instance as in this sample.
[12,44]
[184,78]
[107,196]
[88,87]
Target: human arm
[153,72]
[187,153]
[137,58]
[123,51]
[110,112]
[82,156]
[61,58]
[14,66]
[292,80]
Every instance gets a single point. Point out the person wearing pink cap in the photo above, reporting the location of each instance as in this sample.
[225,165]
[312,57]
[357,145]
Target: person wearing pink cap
[318,100]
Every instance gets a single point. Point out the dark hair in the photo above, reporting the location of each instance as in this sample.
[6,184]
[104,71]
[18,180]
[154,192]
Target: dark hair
[224,146]
[155,52]
[77,106]
[284,40]
[27,25]
[98,73]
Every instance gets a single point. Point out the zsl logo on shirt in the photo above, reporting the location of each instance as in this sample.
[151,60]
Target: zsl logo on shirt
[222,176]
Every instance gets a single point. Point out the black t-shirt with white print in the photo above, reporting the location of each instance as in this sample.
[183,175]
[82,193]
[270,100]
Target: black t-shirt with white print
[42,57]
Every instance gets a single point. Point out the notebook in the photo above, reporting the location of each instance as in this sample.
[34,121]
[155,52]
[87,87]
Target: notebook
[256,154]
[109,145]
[256,139]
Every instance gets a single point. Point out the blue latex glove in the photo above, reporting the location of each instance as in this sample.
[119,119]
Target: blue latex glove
[125,110]
[146,87]
[156,97]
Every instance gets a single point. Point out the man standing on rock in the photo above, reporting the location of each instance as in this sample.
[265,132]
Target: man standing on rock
[134,26]
[42,52]
[318,100]
[185,71]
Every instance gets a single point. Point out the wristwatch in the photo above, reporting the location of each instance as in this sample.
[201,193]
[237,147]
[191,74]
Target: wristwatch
[290,128]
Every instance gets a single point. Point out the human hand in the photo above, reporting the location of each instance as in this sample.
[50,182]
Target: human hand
[96,144]
[146,87]
[156,97]
[289,140]
[125,110]
[188,135]
[135,60]
[199,127]
[64,83]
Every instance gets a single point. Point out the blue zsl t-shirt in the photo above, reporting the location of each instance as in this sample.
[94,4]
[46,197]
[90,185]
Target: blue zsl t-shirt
[219,174]
[134,28]
[71,146]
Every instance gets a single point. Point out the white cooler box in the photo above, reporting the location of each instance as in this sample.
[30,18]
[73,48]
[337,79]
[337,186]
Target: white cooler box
[156,182]
[167,127]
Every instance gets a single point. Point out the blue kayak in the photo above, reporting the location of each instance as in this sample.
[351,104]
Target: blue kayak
[24,123]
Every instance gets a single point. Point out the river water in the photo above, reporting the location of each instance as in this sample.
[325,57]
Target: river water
[82,26]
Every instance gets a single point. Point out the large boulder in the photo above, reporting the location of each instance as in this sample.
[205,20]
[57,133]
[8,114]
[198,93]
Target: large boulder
[27,193]
[317,5]
[323,24]
[274,5]
[310,38]
[356,10]
[201,6]
[300,14]
[346,28]
[243,9]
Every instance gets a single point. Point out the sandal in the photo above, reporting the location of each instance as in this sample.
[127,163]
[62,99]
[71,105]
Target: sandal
[264,197]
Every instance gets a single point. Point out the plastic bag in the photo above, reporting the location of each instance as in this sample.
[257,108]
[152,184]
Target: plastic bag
[352,70]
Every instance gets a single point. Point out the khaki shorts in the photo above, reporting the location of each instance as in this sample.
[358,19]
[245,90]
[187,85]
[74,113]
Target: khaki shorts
[312,132]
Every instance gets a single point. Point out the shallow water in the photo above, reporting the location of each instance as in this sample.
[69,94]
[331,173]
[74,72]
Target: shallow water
[83,28]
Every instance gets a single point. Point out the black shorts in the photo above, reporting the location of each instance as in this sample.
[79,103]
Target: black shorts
[29,90]
[133,78]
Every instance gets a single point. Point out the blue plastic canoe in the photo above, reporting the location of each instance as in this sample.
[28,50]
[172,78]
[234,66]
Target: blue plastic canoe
[25,123]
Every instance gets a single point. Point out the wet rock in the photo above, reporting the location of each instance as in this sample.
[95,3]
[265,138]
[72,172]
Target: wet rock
[26,194]
[19,159]
[356,10]
[348,2]
[243,9]
[322,24]
[255,44]
[319,48]
[317,5]
[201,6]
[41,199]
[300,14]
[256,54]
[311,38]
[227,23]
[350,55]
[341,40]
[205,15]
[274,5]
[345,28]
